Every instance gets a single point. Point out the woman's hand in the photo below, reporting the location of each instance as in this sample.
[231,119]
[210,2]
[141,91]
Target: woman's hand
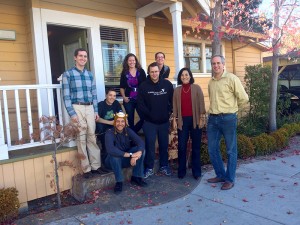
[202,121]
[174,124]
[126,99]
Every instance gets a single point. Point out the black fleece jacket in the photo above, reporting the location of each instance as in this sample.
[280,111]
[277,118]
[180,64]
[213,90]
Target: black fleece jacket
[155,100]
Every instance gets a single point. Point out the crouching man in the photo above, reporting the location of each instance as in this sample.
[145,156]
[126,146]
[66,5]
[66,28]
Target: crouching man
[124,148]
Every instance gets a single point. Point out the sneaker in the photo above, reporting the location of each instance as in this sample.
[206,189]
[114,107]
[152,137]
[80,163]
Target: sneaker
[165,170]
[148,173]
[118,187]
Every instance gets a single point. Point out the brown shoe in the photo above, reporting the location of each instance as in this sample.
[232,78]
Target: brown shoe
[215,180]
[227,185]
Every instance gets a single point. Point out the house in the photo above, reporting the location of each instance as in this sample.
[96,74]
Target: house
[289,68]
[37,40]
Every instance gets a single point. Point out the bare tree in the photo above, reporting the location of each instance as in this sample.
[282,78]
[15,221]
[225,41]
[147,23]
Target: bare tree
[59,135]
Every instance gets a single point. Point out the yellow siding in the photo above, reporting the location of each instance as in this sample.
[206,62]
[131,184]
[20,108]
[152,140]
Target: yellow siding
[20,180]
[32,177]
[114,9]
[14,61]
[159,37]
[1,177]
[40,179]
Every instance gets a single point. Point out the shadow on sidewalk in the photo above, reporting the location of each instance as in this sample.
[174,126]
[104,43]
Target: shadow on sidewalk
[161,189]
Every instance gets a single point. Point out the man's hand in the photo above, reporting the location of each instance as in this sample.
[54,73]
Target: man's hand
[96,116]
[137,154]
[75,119]
[133,161]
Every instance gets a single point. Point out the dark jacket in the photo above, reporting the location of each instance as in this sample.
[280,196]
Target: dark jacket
[119,143]
[165,72]
[155,100]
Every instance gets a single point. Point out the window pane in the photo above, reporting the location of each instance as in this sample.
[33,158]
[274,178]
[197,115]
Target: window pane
[195,64]
[114,49]
[192,57]
[113,56]
[208,52]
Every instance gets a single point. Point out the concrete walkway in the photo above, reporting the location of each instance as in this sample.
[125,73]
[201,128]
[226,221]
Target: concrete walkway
[267,191]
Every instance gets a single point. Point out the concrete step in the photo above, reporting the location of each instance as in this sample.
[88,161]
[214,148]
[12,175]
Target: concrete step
[82,188]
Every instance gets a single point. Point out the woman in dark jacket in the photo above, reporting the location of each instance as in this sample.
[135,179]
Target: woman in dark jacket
[131,77]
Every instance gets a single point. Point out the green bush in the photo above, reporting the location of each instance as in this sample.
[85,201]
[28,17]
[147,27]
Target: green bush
[280,137]
[204,154]
[245,147]
[264,144]
[9,204]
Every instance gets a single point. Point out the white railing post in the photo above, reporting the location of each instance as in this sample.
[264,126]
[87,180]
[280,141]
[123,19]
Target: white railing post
[18,114]
[29,115]
[6,116]
[3,146]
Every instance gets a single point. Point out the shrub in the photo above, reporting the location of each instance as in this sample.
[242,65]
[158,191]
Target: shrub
[204,154]
[245,147]
[9,204]
[264,144]
[280,137]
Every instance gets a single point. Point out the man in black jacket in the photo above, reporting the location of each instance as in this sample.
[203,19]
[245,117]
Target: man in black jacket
[125,148]
[155,103]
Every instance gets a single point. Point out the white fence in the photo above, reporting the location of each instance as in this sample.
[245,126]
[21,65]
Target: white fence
[18,105]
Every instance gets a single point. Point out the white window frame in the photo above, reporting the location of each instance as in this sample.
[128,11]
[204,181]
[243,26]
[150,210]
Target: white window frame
[42,17]
[202,45]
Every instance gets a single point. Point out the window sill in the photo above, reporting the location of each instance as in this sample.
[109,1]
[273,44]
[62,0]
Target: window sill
[202,74]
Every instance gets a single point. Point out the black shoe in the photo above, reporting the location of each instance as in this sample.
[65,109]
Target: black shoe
[88,175]
[196,177]
[118,187]
[100,170]
[181,176]
[138,181]
[105,170]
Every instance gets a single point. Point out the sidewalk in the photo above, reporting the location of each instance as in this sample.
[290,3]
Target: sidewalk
[267,191]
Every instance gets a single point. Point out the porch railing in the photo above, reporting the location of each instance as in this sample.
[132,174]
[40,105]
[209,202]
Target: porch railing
[21,108]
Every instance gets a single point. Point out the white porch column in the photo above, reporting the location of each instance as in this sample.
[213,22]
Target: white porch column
[140,22]
[176,10]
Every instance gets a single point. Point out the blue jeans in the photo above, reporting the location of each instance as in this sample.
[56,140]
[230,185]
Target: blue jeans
[217,126]
[183,137]
[117,163]
[130,108]
[151,130]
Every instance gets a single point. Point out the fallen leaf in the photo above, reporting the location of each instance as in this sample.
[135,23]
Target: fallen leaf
[245,200]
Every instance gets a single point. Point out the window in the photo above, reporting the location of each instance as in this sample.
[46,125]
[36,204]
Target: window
[208,54]
[192,57]
[114,49]
[196,59]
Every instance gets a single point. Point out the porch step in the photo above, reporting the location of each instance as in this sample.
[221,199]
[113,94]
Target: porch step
[82,188]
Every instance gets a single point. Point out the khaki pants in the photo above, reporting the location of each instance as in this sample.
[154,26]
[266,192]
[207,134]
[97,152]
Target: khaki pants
[86,141]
